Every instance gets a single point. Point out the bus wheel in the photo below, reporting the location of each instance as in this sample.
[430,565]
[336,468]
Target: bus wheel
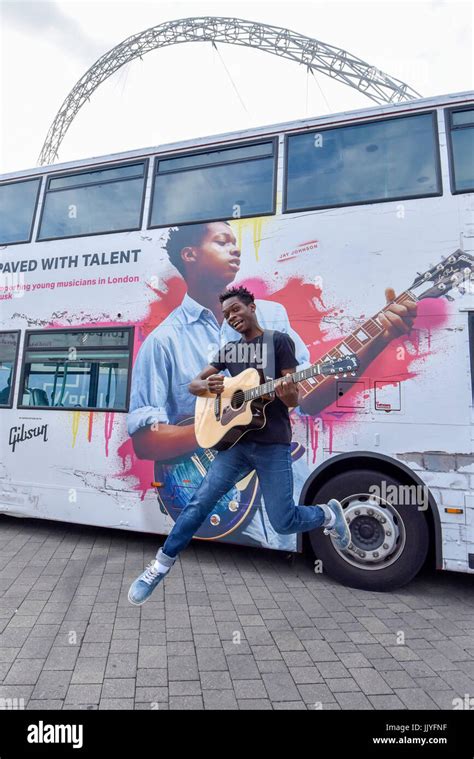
[389,540]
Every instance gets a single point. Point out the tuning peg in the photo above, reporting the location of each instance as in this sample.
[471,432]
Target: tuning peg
[344,375]
[353,374]
[450,297]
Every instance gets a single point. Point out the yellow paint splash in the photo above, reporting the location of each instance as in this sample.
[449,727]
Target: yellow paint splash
[254,226]
[76,418]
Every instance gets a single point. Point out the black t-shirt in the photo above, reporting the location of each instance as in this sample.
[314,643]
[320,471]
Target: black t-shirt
[241,354]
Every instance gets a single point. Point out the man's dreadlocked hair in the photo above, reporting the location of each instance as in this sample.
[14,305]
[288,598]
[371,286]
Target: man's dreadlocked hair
[185,236]
[238,292]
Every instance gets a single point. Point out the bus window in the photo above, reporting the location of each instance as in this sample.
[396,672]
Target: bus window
[17,210]
[77,369]
[461,141]
[109,199]
[235,182]
[8,354]
[363,163]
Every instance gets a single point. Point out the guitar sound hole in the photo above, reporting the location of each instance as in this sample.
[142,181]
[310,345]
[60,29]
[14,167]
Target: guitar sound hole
[237,399]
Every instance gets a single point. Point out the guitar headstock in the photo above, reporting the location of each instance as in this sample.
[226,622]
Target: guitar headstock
[454,271]
[342,367]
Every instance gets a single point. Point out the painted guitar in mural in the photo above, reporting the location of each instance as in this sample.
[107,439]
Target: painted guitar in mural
[452,272]
[176,481]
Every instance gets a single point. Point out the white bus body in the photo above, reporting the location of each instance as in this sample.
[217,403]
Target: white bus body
[353,203]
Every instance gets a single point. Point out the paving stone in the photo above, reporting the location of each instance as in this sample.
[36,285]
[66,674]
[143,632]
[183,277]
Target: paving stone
[305,675]
[118,687]
[43,704]
[183,668]
[387,702]
[185,688]
[342,685]
[83,694]
[147,677]
[152,656]
[332,669]
[186,702]
[152,695]
[121,665]
[24,672]
[116,703]
[89,670]
[254,704]
[242,667]
[280,687]
[369,681]
[415,698]
[398,679]
[52,684]
[214,699]
[320,651]
[62,657]
[250,689]
[211,660]
[354,660]
[315,693]
[262,653]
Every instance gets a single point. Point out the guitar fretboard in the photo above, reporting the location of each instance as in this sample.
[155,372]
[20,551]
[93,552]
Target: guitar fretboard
[358,339]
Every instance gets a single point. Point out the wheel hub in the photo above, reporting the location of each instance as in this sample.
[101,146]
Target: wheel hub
[377,534]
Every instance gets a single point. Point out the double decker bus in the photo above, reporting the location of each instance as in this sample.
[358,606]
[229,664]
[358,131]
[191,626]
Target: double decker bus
[110,269]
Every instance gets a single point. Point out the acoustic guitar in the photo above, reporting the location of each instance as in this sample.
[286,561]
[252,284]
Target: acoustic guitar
[221,420]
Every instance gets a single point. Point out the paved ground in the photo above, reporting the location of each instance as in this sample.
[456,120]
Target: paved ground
[231,628]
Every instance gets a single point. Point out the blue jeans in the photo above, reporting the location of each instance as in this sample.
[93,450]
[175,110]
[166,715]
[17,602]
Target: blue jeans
[272,463]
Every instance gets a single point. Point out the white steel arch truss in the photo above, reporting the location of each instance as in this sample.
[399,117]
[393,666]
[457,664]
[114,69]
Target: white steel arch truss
[317,56]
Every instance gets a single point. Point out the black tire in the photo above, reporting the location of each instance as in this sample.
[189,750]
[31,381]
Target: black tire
[404,566]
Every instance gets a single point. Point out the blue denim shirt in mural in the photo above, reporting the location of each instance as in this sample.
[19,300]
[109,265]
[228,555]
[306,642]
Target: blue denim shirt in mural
[174,353]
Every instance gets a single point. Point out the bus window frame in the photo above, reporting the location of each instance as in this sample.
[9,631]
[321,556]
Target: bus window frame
[87,170]
[35,208]
[15,367]
[273,138]
[131,338]
[449,127]
[439,179]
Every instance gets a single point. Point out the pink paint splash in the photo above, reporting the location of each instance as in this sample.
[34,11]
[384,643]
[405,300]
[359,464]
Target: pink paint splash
[394,364]
[303,303]
[306,309]
[108,427]
[141,470]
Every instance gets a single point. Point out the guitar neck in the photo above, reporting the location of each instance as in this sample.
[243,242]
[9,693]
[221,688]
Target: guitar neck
[311,377]
[365,334]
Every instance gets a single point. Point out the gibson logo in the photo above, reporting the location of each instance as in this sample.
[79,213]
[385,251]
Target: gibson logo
[19,434]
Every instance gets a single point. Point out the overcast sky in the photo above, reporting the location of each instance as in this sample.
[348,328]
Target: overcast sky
[192,90]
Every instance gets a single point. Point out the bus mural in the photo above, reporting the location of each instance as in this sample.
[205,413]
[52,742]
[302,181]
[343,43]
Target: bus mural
[353,232]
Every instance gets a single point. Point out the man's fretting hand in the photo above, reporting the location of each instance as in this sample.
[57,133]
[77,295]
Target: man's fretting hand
[287,391]
[396,319]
